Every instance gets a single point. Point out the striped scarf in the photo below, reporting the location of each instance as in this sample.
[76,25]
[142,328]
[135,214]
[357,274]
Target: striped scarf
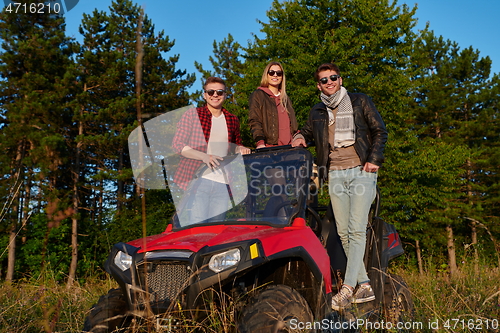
[344,121]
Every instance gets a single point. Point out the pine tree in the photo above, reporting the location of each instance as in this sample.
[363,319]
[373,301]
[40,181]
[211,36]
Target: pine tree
[454,100]
[107,61]
[35,94]
[109,102]
[227,64]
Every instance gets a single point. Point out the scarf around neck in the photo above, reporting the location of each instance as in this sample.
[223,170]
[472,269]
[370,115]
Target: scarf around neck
[344,121]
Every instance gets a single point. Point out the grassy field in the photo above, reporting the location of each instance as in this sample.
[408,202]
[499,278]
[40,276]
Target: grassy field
[470,302]
[45,306]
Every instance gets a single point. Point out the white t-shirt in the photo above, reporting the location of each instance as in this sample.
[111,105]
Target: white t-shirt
[217,145]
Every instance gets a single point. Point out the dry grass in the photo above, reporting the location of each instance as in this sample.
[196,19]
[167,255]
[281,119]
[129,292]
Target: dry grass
[464,302]
[217,317]
[45,306]
[468,302]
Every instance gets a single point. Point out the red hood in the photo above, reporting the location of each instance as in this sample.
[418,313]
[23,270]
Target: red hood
[194,239]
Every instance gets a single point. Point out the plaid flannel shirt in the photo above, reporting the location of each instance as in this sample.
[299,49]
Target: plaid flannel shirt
[189,134]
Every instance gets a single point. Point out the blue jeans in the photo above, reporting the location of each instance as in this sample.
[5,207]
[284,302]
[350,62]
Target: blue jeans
[352,192]
[210,201]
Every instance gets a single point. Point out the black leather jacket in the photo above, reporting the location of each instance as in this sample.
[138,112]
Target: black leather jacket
[371,134]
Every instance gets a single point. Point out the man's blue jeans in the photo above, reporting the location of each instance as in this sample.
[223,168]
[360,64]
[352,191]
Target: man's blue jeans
[210,202]
[352,192]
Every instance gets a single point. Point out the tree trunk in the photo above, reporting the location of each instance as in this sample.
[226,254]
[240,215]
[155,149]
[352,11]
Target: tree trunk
[474,246]
[452,259]
[93,208]
[473,223]
[493,240]
[419,258]
[100,210]
[74,239]
[138,82]
[11,258]
[120,190]
[26,207]
[76,202]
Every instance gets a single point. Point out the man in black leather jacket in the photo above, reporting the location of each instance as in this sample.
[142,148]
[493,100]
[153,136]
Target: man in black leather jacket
[350,137]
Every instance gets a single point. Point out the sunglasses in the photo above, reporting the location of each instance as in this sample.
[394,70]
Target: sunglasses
[219,92]
[324,80]
[278,73]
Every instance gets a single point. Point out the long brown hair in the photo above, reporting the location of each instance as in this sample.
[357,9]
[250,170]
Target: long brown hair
[264,82]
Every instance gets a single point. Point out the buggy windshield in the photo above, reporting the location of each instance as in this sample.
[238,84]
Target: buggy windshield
[269,186]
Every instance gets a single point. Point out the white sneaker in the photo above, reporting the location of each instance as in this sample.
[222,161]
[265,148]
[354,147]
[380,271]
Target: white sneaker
[363,294]
[343,299]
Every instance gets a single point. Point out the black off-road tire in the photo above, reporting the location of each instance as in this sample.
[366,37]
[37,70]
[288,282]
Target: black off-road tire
[398,301]
[278,308]
[108,315]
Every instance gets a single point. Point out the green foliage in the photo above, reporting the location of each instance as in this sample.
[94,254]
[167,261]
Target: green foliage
[421,197]
[369,40]
[34,94]
[108,110]
[127,225]
[36,109]
[46,247]
[455,102]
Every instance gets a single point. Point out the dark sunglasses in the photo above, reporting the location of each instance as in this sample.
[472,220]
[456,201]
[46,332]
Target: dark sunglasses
[211,92]
[278,73]
[324,80]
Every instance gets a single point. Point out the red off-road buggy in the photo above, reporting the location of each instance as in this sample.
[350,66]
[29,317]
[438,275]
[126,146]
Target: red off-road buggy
[274,255]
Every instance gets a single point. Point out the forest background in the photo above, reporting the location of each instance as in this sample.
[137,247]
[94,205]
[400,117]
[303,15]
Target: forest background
[67,108]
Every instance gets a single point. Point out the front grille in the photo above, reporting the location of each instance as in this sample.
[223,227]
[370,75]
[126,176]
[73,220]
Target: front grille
[165,279]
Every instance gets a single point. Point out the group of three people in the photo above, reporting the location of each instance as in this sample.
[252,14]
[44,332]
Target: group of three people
[349,135]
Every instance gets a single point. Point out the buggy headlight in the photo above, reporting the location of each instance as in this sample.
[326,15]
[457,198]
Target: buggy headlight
[123,260]
[224,260]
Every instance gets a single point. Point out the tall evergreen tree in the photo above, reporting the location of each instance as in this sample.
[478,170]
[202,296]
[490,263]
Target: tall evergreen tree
[454,100]
[108,61]
[108,99]
[227,64]
[35,96]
